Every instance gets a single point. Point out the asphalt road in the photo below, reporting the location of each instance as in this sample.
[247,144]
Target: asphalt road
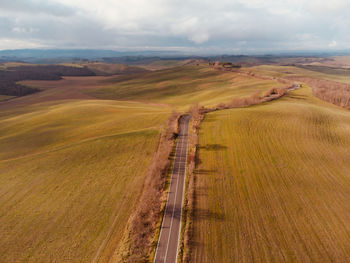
[168,242]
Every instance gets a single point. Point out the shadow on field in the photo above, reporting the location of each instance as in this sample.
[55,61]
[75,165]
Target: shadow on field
[204,171]
[209,118]
[206,214]
[298,97]
[213,147]
[201,191]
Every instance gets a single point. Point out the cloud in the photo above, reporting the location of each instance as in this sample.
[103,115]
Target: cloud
[6,43]
[192,28]
[334,6]
[219,26]
[333,44]
[35,7]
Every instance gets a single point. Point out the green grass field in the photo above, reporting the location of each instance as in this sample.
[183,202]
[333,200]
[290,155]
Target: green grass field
[181,87]
[70,176]
[273,183]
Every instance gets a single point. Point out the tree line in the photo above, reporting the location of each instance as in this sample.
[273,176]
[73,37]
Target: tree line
[10,77]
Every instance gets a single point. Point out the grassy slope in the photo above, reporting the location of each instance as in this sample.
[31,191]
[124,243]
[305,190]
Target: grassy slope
[70,174]
[163,64]
[183,86]
[5,97]
[71,165]
[273,183]
[340,75]
[112,69]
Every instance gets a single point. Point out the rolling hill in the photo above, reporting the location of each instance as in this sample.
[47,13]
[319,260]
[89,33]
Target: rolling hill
[71,173]
[272,183]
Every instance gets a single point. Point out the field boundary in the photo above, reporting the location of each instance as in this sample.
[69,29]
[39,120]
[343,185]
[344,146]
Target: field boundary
[138,238]
[168,241]
[198,115]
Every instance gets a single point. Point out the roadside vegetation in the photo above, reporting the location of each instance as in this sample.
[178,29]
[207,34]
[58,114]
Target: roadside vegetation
[182,87]
[327,83]
[80,158]
[330,91]
[84,163]
[139,237]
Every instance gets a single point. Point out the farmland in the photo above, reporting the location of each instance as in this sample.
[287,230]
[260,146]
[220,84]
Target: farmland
[74,159]
[317,72]
[72,166]
[273,184]
[181,87]
[71,173]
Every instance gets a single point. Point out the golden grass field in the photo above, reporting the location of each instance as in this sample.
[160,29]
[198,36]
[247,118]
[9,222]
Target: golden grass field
[181,87]
[333,74]
[163,64]
[71,173]
[72,166]
[73,160]
[273,183]
[336,61]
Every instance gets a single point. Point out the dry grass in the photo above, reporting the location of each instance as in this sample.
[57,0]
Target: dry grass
[197,115]
[184,86]
[139,237]
[339,75]
[73,168]
[162,64]
[330,91]
[113,69]
[336,62]
[272,183]
[71,174]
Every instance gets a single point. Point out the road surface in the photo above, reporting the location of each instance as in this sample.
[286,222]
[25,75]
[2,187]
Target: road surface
[168,242]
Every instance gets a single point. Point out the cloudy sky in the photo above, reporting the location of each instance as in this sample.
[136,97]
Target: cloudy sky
[217,26]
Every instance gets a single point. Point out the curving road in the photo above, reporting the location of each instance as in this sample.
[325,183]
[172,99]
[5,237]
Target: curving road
[168,243]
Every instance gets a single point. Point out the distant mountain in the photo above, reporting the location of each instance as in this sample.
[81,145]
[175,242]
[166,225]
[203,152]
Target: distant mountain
[61,55]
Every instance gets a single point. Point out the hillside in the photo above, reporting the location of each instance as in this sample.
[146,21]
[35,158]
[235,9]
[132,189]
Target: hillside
[74,159]
[70,161]
[106,69]
[272,183]
[181,87]
[71,173]
[12,73]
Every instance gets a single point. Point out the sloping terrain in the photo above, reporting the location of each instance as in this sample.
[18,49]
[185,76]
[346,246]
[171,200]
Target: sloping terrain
[100,68]
[11,73]
[273,183]
[72,167]
[317,72]
[272,179]
[183,86]
[71,173]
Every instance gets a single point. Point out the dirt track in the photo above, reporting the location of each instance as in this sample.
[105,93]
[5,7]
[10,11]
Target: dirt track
[168,243]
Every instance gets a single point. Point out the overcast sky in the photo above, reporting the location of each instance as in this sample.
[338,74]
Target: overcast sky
[218,26]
